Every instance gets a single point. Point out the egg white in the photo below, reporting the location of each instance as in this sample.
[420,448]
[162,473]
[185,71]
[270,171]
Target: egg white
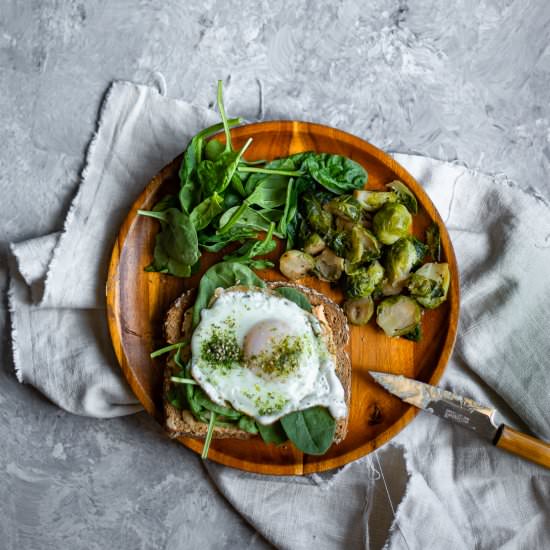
[265,396]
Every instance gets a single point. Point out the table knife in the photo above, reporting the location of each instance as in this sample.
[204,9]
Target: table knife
[466,413]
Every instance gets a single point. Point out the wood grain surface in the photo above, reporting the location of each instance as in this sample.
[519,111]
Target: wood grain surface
[524,445]
[137,302]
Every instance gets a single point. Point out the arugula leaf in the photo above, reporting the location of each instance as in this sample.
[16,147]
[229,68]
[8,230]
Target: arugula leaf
[206,211]
[252,248]
[176,245]
[335,173]
[273,433]
[311,430]
[224,275]
[299,298]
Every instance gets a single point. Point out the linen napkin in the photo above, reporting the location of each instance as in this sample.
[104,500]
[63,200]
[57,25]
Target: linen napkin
[433,475]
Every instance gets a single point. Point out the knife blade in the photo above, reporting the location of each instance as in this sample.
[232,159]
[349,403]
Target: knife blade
[466,413]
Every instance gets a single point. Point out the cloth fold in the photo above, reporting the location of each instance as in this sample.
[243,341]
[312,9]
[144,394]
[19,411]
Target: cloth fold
[448,481]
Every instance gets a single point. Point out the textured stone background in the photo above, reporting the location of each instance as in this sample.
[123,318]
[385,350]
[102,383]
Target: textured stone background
[464,80]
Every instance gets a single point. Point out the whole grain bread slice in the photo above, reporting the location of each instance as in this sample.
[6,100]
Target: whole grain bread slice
[178,327]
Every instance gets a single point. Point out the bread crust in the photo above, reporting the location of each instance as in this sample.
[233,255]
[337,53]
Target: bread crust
[178,327]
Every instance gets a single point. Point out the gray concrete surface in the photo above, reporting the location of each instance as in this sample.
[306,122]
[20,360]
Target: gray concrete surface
[463,80]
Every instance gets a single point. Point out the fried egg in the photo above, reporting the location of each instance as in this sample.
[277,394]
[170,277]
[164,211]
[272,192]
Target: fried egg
[265,356]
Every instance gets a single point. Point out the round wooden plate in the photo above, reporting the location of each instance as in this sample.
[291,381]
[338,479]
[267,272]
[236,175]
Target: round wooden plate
[137,302]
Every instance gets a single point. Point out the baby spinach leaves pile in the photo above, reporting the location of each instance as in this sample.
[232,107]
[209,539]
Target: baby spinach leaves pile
[311,430]
[223,198]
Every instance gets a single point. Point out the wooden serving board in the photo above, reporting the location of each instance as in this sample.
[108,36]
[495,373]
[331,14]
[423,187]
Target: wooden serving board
[137,302]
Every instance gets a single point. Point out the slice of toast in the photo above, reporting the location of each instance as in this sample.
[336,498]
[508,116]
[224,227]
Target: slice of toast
[178,327]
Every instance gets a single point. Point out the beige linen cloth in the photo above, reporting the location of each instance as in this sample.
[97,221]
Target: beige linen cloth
[435,486]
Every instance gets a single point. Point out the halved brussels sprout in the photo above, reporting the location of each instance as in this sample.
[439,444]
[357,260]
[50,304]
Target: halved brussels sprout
[318,218]
[391,223]
[402,257]
[363,246]
[359,310]
[430,284]
[344,206]
[314,244]
[398,315]
[387,289]
[329,266]
[343,225]
[296,264]
[404,195]
[362,281]
[374,200]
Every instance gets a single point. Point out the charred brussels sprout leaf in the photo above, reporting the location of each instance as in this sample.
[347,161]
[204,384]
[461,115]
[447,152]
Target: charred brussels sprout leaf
[359,310]
[433,240]
[374,200]
[295,264]
[392,222]
[398,315]
[344,206]
[335,173]
[404,195]
[430,284]
[402,257]
[364,246]
[318,218]
[362,281]
[339,242]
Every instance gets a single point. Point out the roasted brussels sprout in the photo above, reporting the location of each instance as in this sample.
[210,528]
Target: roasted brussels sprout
[404,195]
[398,315]
[295,264]
[430,284]
[392,222]
[364,280]
[338,242]
[374,200]
[343,225]
[387,289]
[363,246]
[402,257]
[314,244]
[359,310]
[318,218]
[344,206]
[329,266]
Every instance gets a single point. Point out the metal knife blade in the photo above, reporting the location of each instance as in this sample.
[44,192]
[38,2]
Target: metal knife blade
[443,403]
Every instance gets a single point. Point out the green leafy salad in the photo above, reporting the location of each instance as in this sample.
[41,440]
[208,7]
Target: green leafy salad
[334,229]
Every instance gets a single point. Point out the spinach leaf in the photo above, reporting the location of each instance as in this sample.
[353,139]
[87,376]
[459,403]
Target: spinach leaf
[249,250]
[335,173]
[299,298]
[283,164]
[215,243]
[206,403]
[176,245]
[244,216]
[215,176]
[169,201]
[311,430]
[273,433]
[206,211]
[269,193]
[247,424]
[189,189]
[288,223]
[223,274]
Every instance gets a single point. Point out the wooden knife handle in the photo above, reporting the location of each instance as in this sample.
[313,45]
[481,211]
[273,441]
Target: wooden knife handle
[523,445]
